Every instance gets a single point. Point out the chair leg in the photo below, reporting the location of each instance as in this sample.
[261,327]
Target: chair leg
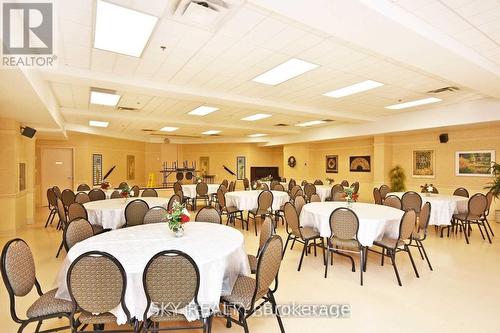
[392,254]
[38,326]
[407,249]
[486,230]
[366,258]
[21,328]
[325,260]
[48,218]
[419,250]
[304,250]
[293,243]
[243,321]
[425,254]
[361,263]
[276,311]
[480,230]
[59,251]
[382,257]
[489,227]
[464,225]
[286,245]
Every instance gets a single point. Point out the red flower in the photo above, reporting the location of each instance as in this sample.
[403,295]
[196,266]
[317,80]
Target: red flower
[184,218]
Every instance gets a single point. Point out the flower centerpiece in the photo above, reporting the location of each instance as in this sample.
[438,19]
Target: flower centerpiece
[350,196]
[177,217]
[330,181]
[105,185]
[126,192]
[267,179]
[257,185]
[199,179]
[427,189]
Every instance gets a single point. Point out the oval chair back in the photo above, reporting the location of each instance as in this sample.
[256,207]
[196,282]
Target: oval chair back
[135,212]
[82,197]
[393,201]
[208,214]
[411,200]
[156,215]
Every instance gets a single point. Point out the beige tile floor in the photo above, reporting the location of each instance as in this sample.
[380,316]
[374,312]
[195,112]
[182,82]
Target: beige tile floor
[460,295]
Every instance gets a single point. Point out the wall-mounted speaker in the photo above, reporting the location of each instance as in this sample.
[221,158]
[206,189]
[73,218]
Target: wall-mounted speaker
[28,131]
[443,138]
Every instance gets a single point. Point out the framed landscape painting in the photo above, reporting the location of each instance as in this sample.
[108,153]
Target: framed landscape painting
[423,164]
[332,163]
[474,163]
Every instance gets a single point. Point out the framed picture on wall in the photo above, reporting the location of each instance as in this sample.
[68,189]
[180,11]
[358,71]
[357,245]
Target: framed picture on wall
[474,163]
[130,167]
[423,164]
[96,169]
[332,163]
[240,167]
[359,163]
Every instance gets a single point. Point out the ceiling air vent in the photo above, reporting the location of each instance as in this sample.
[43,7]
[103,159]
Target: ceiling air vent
[147,130]
[281,125]
[442,90]
[202,13]
[328,120]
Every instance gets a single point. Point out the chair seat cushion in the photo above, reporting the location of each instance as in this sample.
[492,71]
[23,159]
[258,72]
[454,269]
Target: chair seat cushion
[168,317]
[242,293]
[232,209]
[102,318]
[463,217]
[309,233]
[391,243]
[259,211]
[252,260]
[48,304]
[347,244]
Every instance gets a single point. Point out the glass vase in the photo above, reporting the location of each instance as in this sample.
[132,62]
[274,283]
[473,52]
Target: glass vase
[179,232]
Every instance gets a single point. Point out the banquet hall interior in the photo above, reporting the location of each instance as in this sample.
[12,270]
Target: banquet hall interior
[250,166]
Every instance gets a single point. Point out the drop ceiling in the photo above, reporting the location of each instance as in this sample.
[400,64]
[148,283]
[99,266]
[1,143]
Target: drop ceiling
[186,65]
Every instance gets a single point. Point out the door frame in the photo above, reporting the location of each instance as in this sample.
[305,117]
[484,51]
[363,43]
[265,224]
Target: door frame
[42,152]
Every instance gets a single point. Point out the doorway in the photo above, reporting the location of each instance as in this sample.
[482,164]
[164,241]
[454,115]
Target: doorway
[57,169]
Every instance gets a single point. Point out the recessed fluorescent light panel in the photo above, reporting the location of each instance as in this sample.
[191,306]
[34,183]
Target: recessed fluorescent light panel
[257,116]
[311,123]
[169,129]
[414,103]
[203,110]
[286,71]
[122,30]
[104,97]
[354,89]
[257,135]
[211,132]
[95,123]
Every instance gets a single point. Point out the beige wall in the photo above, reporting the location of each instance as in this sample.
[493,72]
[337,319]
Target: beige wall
[311,162]
[476,138]
[114,152]
[16,206]
[388,151]
[385,151]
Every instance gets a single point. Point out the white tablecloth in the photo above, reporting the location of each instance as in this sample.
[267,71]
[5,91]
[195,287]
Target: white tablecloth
[324,191]
[443,206]
[247,200]
[111,213]
[189,190]
[375,221]
[218,251]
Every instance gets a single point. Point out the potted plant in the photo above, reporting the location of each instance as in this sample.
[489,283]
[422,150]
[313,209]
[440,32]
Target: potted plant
[494,186]
[398,178]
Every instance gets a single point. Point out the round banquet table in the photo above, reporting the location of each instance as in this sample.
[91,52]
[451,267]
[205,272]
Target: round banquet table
[375,221]
[110,214]
[189,190]
[443,206]
[248,200]
[218,251]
